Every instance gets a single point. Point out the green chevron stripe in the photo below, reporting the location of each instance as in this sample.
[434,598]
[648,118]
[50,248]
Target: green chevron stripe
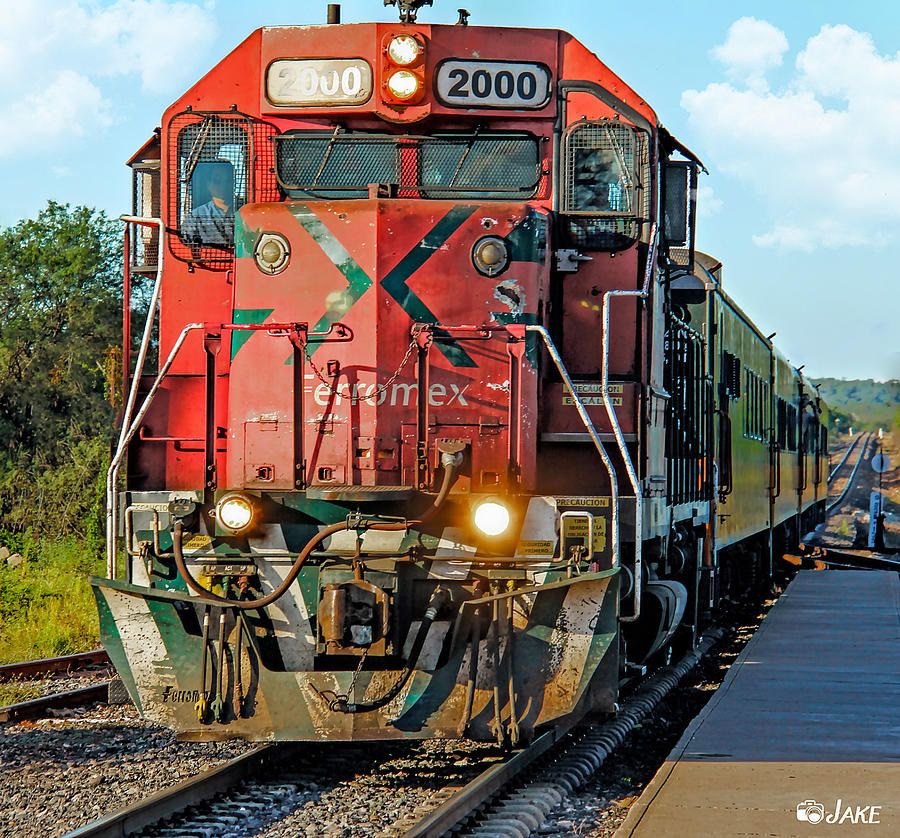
[395,283]
[246,317]
[358,282]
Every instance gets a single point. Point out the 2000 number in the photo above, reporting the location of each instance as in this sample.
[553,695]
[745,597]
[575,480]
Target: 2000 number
[504,84]
[497,84]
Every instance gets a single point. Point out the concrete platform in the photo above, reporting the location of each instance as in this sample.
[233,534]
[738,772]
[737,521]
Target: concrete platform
[808,715]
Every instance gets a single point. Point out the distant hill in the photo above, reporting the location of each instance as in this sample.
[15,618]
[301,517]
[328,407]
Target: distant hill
[866,403]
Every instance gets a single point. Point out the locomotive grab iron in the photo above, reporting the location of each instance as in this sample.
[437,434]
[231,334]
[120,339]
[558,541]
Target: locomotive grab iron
[452,427]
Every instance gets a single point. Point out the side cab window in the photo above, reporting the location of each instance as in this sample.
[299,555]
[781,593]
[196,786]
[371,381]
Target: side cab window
[606,184]
[210,178]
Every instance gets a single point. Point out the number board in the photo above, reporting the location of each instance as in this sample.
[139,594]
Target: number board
[315,82]
[492,84]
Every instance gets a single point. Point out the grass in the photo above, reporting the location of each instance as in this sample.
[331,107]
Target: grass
[13,692]
[46,605]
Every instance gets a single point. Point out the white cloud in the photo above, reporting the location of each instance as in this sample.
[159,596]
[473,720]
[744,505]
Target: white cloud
[707,202]
[823,151]
[63,62]
[751,48]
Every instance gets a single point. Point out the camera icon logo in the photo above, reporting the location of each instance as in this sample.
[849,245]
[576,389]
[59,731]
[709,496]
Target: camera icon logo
[810,811]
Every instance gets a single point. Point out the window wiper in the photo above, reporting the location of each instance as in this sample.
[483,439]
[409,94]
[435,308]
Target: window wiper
[327,155]
[465,154]
[197,147]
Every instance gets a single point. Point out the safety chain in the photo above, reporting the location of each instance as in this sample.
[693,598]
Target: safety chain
[362,660]
[378,390]
[341,700]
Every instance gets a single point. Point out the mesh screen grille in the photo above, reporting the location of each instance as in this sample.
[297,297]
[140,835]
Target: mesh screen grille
[606,172]
[213,164]
[145,240]
[343,165]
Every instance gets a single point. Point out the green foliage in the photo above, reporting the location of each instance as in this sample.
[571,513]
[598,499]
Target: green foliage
[12,692]
[60,323]
[46,605]
[59,317]
[866,404]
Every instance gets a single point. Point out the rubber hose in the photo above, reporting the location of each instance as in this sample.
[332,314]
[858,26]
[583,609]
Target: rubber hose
[248,605]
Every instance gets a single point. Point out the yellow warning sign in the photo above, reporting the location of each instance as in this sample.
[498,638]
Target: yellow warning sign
[196,542]
[593,387]
[535,548]
[593,400]
[577,528]
[603,502]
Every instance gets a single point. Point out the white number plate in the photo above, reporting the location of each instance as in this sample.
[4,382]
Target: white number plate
[493,84]
[320,81]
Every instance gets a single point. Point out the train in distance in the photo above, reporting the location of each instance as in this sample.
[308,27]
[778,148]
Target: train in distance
[452,428]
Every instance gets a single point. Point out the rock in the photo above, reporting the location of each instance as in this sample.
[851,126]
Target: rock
[4,553]
[15,559]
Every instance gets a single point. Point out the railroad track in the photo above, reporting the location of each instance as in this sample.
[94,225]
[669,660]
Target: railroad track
[39,707]
[523,787]
[49,666]
[847,453]
[864,440]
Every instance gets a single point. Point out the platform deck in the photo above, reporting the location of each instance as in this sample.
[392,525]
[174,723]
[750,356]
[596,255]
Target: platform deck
[809,713]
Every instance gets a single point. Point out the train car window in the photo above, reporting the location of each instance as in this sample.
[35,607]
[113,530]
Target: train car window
[791,427]
[605,172]
[212,181]
[339,164]
[680,205]
[731,375]
[781,423]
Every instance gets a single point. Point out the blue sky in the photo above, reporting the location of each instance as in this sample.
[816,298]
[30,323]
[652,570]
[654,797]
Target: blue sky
[794,107]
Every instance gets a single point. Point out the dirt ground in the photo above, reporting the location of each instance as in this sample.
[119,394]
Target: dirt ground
[848,525]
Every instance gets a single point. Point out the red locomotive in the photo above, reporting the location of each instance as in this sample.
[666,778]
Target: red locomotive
[451,426]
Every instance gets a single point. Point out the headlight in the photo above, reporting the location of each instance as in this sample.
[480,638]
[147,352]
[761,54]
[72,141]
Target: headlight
[234,512]
[491,517]
[404,50]
[403,84]
[272,253]
[490,255]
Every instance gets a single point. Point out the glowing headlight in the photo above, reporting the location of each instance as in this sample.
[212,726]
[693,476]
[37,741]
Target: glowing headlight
[491,518]
[234,512]
[403,84]
[272,253]
[404,49]
[490,255]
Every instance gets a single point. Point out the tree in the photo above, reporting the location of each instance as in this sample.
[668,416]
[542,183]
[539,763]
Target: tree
[60,324]
[60,315]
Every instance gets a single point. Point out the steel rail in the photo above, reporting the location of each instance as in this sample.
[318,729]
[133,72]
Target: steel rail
[37,708]
[170,801]
[569,763]
[847,453]
[840,498]
[46,666]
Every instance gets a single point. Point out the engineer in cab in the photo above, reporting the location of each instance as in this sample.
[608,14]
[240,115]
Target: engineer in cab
[210,223]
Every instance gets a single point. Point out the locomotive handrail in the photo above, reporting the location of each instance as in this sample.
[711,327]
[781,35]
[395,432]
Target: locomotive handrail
[595,437]
[641,294]
[112,473]
[128,432]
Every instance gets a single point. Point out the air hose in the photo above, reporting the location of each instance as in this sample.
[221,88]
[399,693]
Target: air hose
[251,604]
[451,463]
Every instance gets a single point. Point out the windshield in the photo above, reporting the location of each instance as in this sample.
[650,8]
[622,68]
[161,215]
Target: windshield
[499,166]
